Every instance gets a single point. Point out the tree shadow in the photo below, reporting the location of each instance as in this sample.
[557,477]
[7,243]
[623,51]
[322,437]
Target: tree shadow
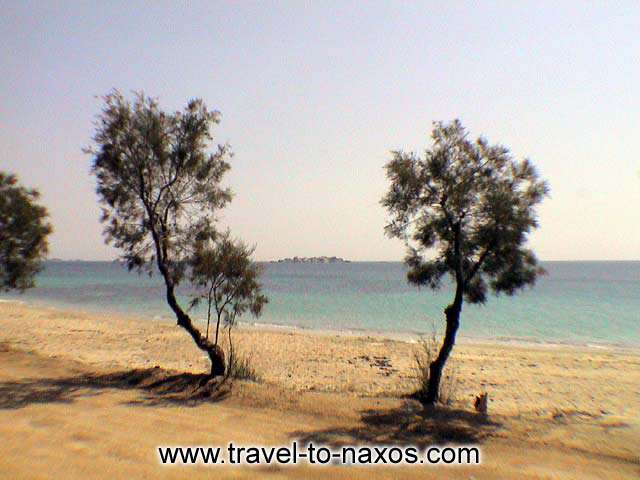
[158,386]
[409,424]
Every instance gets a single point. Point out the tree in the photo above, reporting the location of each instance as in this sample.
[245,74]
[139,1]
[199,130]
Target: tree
[225,277]
[472,206]
[23,234]
[160,189]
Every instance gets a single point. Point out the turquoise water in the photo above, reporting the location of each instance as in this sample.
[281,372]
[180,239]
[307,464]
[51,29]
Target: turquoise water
[577,302]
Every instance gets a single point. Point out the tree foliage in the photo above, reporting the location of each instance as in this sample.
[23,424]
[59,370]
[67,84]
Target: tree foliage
[160,188]
[23,234]
[227,279]
[473,205]
[464,210]
[159,185]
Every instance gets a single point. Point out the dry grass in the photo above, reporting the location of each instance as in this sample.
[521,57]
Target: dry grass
[240,366]
[427,351]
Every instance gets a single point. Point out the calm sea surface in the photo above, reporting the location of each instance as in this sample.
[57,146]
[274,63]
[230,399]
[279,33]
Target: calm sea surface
[577,302]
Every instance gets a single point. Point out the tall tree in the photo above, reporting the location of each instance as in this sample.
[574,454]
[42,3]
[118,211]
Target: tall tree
[160,188]
[23,234]
[470,206]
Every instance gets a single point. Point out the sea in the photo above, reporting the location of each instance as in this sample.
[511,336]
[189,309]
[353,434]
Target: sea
[593,304]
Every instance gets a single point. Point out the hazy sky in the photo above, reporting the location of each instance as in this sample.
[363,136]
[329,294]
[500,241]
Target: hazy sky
[313,97]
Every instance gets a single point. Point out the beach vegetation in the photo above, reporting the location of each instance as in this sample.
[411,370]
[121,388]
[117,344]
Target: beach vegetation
[224,277]
[24,229]
[160,186]
[464,210]
[241,367]
[427,352]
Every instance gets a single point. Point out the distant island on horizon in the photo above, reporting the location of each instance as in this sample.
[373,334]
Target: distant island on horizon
[325,260]
[311,260]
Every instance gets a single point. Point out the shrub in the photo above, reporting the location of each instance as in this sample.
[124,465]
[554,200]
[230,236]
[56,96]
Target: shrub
[240,367]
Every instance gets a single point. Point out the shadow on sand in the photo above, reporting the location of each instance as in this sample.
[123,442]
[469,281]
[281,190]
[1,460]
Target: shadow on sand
[409,424]
[158,386]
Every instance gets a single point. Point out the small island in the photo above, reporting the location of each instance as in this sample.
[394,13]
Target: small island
[311,260]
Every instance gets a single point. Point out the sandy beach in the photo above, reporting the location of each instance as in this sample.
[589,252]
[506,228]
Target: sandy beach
[227,230]
[70,405]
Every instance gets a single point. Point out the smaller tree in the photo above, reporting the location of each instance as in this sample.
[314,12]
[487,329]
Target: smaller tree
[225,277]
[464,210]
[23,234]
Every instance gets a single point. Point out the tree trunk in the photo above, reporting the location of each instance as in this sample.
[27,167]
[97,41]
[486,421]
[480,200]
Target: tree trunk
[452,313]
[217,329]
[215,353]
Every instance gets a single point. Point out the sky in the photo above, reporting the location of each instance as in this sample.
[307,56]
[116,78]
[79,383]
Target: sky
[314,96]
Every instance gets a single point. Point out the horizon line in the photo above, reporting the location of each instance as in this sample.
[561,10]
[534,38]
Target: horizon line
[58,259]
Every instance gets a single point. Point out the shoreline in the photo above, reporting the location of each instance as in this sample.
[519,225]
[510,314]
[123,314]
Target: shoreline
[61,370]
[518,378]
[406,337]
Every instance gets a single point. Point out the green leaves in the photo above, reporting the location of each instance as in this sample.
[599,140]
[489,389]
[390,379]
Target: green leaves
[23,234]
[158,182]
[473,205]
[225,276]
